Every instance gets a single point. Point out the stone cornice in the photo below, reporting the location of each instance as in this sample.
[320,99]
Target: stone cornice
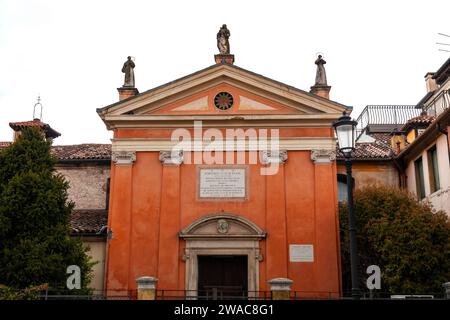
[224,72]
[289,144]
[324,120]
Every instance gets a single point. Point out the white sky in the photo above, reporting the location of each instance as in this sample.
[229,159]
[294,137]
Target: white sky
[72,52]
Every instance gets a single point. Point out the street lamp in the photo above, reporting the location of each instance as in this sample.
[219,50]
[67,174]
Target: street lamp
[345,131]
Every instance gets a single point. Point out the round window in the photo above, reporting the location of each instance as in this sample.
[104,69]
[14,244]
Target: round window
[223,101]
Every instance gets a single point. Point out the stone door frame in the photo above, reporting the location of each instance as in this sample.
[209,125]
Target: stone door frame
[207,236]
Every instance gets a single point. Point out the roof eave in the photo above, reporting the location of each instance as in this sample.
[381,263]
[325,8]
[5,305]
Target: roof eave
[426,137]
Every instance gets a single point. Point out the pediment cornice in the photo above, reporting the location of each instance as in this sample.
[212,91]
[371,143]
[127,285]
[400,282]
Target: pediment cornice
[301,102]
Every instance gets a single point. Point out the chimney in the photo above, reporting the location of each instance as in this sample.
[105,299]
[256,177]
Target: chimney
[398,141]
[430,82]
[125,92]
[48,131]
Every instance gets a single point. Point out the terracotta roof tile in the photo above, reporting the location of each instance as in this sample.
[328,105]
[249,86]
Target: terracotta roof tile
[86,151]
[380,149]
[422,120]
[88,221]
[49,131]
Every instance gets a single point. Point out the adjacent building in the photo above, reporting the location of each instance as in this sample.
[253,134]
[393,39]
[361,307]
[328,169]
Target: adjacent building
[425,162]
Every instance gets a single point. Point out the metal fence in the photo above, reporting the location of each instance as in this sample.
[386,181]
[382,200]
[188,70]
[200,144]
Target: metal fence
[94,295]
[439,104]
[162,294]
[385,115]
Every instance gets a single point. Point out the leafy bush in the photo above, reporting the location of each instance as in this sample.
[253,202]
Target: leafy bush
[406,238]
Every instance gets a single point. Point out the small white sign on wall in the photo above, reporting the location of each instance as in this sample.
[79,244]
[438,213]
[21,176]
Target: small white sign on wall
[301,253]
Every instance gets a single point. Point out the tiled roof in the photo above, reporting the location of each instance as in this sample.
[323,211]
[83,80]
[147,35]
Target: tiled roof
[422,120]
[382,137]
[380,149]
[49,131]
[88,221]
[86,151]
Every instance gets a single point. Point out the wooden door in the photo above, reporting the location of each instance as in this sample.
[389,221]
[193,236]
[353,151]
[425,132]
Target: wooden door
[222,277]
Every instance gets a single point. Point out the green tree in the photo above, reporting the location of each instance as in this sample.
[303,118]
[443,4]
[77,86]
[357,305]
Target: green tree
[35,243]
[406,238]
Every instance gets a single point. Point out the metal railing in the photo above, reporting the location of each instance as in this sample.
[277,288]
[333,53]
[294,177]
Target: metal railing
[213,294]
[438,104]
[94,295]
[162,294]
[241,295]
[388,115]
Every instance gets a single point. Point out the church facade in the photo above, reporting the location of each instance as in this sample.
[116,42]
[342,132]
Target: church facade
[224,180]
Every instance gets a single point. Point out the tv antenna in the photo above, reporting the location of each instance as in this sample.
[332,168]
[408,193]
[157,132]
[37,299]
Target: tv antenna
[444,43]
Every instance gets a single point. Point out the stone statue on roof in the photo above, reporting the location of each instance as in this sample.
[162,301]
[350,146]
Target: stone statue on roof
[128,69]
[222,40]
[321,76]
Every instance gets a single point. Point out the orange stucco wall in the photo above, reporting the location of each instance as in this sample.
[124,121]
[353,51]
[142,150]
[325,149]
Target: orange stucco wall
[150,203]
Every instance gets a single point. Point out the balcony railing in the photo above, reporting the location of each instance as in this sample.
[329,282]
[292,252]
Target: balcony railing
[438,104]
[385,117]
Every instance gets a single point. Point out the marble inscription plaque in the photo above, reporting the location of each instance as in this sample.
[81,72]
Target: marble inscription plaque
[222,183]
[301,253]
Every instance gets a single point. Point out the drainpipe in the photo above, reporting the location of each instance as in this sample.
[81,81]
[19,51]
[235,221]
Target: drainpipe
[401,174]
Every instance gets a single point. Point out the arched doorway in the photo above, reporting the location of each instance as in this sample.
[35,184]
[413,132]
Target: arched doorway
[220,242]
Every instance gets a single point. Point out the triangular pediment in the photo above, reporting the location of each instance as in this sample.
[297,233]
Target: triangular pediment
[251,94]
[203,102]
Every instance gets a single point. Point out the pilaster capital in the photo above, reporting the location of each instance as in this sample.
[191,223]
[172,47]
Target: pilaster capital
[123,157]
[273,156]
[323,156]
[171,157]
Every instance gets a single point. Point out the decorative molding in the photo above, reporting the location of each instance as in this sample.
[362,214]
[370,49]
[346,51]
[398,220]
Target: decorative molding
[204,238]
[273,156]
[123,157]
[259,256]
[222,226]
[233,76]
[186,256]
[323,156]
[155,144]
[171,157]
